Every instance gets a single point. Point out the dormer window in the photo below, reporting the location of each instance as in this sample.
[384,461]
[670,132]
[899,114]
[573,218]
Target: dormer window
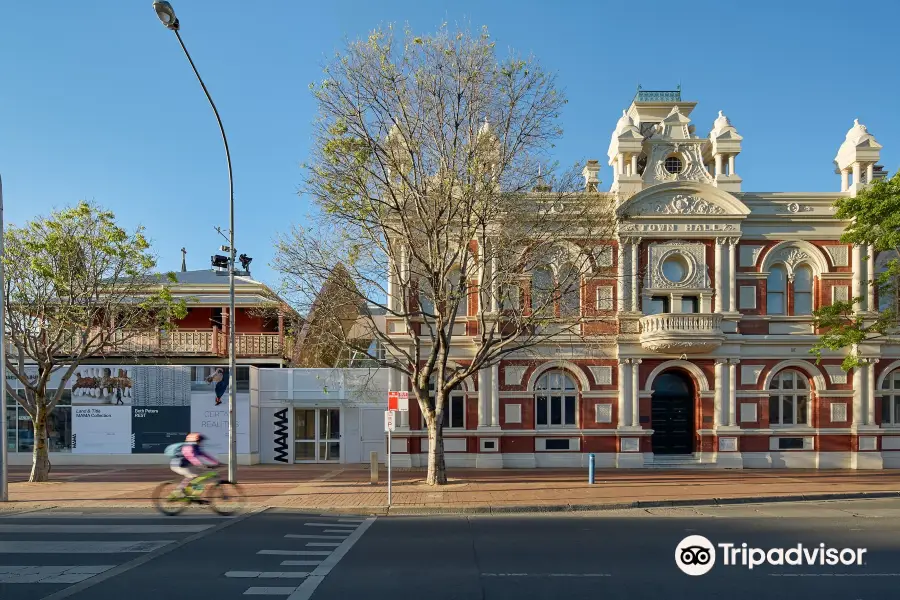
[673,165]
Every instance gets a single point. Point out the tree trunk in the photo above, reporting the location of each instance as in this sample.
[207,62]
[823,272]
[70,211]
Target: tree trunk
[437,470]
[40,461]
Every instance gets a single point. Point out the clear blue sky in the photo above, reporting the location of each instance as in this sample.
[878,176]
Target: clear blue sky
[97,101]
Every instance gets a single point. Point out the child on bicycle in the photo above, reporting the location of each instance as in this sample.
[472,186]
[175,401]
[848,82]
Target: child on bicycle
[190,459]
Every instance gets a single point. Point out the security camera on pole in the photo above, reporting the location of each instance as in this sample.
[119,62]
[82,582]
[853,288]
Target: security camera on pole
[166,15]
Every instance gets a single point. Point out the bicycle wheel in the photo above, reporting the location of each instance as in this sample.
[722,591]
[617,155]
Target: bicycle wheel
[226,498]
[167,500]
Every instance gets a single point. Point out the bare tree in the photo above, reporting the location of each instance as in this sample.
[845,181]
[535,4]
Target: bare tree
[77,287]
[441,221]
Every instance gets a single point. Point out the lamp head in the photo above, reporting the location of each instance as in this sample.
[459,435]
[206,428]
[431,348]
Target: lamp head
[166,14]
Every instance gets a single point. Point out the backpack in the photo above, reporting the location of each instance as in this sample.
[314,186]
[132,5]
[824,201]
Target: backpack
[174,450]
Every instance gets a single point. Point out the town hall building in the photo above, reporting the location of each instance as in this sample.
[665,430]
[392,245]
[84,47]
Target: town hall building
[713,296]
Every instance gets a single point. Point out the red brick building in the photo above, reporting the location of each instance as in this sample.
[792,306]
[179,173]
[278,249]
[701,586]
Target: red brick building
[709,362]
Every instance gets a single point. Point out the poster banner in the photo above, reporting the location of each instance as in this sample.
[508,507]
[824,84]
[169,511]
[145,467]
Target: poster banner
[211,420]
[102,386]
[154,428]
[101,429]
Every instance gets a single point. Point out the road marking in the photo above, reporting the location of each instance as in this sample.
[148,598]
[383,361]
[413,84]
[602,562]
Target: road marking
[136,562]
[65,528]
[351,520]
[63,547]
[546,575]
[294,552]
[89,515]
[323,544]
[267,574]
[269,591]
[308,587]
[297,536]
[300,563]
[347,525]
[335,531]
[50,574]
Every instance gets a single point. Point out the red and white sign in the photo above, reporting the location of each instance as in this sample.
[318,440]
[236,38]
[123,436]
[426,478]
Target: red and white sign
[389,421]
[398,401]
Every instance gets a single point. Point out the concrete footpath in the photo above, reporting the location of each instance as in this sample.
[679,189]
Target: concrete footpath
[346,488]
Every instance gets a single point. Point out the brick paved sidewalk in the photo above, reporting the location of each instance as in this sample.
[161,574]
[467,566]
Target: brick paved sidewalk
[347,488]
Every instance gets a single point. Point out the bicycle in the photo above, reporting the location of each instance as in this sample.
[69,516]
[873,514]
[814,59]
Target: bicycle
[222,496]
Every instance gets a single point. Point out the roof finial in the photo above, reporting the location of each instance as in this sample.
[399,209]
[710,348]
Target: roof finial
[720,114]
[856,122]
[183,260]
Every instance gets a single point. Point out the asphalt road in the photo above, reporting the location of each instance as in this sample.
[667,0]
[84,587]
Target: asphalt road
[103,555]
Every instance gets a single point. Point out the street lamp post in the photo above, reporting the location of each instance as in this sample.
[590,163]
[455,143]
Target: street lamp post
[4,470]
[166,14]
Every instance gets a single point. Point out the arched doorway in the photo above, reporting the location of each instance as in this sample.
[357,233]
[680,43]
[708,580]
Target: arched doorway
[672,413]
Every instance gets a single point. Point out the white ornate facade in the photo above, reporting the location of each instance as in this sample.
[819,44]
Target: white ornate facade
[712,289]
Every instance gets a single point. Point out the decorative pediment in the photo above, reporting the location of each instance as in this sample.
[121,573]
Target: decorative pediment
[683,199]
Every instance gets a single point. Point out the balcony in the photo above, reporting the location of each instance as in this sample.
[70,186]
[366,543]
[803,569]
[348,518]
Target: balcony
[205,343]
[682,332]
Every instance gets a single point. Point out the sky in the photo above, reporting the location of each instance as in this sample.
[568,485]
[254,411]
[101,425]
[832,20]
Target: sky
[97,101]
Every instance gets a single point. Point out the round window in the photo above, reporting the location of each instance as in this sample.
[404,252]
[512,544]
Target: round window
[675,268]
[673,165]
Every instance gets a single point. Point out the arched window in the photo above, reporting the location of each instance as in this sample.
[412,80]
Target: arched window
[542,289]
[426,297]
[887,291]
[803,285]
[454,415]
[455,281]
[890,402]
[776,284]
[555,398]
[789,399]
[570,296]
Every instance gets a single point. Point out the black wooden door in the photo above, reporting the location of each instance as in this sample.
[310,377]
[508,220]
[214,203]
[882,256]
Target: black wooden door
[672,414]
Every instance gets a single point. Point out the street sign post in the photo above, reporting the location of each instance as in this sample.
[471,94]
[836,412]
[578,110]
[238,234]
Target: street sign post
[389,420]
[398,401]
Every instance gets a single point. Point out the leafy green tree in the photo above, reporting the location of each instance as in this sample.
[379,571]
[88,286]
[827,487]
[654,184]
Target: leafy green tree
[874,216]
[77,286]
[436,202]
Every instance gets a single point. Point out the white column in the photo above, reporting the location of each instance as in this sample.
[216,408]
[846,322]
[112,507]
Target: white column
[731,164]
[856,172]
[870,279]
[858,394]
[495,281]
[856,262]
[719,306]
[495,396]
[718,164]
[870,391]
[635,276]
[635,393]
[732,275]
[845,184]
[634,164]
[719,409]
[624,376]
[621,285]
[620,164]
[391,284]
[484,397]
[870,172]
[732,392]
[403,420]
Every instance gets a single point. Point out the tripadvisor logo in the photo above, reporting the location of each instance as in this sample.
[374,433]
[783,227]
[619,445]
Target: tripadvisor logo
[696,555]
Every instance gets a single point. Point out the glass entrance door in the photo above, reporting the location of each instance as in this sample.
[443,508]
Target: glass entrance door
[317,433]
